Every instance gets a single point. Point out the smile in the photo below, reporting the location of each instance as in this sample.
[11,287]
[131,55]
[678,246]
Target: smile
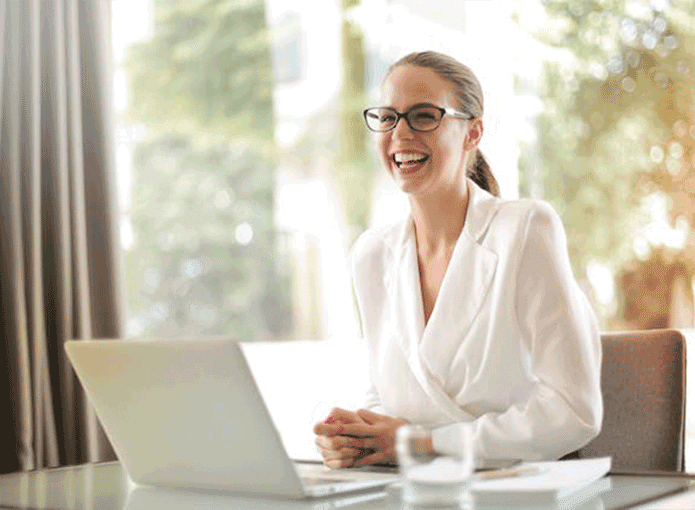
[409,159]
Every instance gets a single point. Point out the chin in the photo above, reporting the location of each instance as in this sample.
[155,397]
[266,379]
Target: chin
[409,188]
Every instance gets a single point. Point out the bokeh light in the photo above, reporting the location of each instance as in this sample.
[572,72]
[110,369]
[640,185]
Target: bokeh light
[628,84]
[628,30]
[656,154]
[243,233]
[649,39]
[675,150]
[223,199]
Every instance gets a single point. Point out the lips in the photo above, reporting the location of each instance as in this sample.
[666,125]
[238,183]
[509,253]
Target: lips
[405,159]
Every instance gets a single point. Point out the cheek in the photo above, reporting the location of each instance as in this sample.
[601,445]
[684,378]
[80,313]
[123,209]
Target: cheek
[451,147]
[382,144]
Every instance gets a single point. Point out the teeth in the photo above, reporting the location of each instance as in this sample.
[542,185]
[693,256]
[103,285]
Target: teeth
[408,157]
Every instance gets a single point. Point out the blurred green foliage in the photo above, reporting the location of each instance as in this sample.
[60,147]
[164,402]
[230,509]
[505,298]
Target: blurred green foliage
[618,121]
[205,70]
[353,175]
[204,259]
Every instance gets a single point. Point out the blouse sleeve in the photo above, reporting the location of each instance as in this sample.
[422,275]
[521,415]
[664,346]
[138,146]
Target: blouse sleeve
[564,409]
[372,400]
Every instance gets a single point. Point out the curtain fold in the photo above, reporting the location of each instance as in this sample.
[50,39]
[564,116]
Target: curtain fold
[59,254]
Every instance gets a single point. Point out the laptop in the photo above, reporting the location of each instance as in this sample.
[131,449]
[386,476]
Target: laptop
[152,498]
[188,414]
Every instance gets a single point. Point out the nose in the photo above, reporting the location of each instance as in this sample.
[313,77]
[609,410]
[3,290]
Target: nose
[402,129]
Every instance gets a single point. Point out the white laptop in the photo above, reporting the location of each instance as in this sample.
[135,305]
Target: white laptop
[188,414]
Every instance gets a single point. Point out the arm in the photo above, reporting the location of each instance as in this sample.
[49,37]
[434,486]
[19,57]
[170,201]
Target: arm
[355,260]
[338,449]
[564,409]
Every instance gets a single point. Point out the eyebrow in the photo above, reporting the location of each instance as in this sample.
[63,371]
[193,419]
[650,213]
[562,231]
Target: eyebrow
[414,106]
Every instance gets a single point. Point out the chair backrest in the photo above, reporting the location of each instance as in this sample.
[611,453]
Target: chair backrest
[643,387]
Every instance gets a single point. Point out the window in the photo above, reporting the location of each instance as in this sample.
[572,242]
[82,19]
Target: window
[245,169]
[245,172]
[288,48]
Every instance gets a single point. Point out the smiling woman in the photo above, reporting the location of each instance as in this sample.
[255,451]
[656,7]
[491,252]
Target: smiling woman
[469,307]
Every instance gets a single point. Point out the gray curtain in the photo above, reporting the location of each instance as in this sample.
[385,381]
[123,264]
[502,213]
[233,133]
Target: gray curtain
[59,261]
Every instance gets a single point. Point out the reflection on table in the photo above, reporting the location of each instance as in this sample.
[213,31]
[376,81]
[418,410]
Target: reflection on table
[106,486]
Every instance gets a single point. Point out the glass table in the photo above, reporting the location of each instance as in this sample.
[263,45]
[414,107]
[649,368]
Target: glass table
[105,486]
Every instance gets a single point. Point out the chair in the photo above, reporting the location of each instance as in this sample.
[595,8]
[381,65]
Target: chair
[643,386]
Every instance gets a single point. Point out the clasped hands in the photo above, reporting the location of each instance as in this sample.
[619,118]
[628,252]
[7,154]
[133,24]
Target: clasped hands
[354,439]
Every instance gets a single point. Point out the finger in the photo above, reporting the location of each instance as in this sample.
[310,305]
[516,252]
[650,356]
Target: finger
[344,429]
[356,429]
[357,442]
[334,413]
[338,415]
[319,427]
[335,429]
[342,454]
[324,453]
[369,416]
[370,443]
[328,455]
[326,429]
[379,457]
[324,442]
[338,442]
[339,463]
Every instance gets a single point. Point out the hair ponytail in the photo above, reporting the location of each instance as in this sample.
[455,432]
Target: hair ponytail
[480,173]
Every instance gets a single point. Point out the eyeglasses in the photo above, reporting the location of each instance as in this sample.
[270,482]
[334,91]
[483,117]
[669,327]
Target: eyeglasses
[420,117]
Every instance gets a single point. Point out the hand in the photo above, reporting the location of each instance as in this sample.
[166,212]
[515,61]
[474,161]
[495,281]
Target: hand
[374,434]
[338,451]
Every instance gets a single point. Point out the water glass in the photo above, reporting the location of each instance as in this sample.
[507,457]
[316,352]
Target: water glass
[430,479]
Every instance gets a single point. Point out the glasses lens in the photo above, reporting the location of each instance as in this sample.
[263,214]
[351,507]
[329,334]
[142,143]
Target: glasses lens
[380,119]
[424,118]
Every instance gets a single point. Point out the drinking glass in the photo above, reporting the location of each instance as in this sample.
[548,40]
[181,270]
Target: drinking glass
[430,479]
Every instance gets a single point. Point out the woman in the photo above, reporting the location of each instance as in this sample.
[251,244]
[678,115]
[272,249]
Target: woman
[469,306]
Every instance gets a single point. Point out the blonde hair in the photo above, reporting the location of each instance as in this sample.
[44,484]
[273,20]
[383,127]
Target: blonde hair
[469,98]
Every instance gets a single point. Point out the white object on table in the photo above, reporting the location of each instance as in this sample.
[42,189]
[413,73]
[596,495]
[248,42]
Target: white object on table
[551,482]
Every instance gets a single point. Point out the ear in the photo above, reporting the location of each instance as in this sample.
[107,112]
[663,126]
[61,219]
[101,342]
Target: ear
[475,133]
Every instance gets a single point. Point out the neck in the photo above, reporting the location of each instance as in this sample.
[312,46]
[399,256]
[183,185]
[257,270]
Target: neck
[439,219]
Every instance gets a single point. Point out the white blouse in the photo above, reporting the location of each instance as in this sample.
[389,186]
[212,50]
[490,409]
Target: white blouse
[512,343]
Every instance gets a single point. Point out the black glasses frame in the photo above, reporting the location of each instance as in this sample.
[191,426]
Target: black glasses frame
[405,115]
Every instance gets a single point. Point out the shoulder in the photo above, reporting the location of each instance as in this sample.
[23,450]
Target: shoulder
[375,243]
[536,237]
[526,207]
[518,224]
[492,219]
[525,215]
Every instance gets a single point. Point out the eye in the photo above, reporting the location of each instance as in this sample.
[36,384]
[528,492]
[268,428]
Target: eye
[424,116]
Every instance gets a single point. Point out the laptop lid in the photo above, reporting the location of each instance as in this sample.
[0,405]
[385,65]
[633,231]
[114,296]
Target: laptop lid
[185,413]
